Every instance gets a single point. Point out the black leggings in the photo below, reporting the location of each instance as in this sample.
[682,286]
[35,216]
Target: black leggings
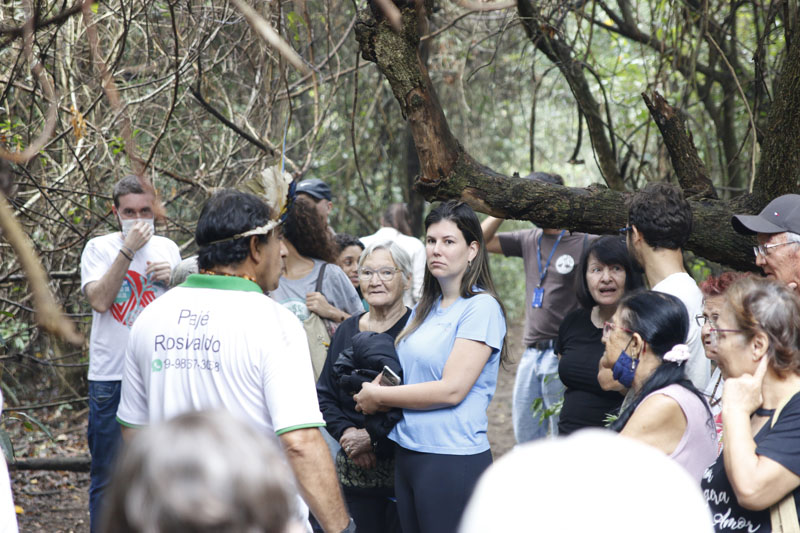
[433,489]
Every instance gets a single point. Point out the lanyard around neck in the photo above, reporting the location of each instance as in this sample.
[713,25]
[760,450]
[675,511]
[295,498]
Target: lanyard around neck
[543,270]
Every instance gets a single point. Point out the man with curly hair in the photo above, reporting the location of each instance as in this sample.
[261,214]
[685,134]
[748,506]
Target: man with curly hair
[659,224]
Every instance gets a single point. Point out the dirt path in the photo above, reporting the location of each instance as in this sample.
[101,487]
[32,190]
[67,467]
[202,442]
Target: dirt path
[58,502]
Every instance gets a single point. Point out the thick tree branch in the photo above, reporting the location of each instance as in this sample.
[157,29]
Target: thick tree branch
[447,171]
[689,168]
[560,54]
[397,58]
[595,210]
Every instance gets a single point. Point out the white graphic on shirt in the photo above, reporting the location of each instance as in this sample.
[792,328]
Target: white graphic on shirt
[565,264]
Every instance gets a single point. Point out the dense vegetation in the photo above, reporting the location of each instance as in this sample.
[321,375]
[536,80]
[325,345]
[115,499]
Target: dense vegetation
[190,96]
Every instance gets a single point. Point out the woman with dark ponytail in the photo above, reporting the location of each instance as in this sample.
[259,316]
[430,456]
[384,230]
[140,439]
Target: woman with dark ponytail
[645,345]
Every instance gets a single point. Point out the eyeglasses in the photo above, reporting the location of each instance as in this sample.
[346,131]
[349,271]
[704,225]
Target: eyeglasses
[763,249]
[608,326]
[716,331]
[624,230]
[702,320]
[384,274]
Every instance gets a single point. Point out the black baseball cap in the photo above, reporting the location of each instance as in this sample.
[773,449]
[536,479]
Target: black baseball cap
[781,214]
[316,188]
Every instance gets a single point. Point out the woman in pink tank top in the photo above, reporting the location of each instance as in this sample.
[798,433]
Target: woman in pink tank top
[644,347]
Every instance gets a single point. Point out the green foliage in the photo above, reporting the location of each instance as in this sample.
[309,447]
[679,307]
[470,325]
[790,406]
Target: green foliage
[542,413]
[15,333]
[7,446]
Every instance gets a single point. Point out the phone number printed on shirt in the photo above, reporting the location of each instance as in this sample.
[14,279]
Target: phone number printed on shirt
[185,364]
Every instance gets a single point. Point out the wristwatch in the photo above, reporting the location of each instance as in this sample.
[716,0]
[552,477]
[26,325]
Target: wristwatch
[351,527]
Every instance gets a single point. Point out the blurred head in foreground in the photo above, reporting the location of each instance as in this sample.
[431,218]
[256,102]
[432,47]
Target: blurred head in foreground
[592,480]
[201,472]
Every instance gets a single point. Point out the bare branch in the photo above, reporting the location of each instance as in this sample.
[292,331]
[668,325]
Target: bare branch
[15,32]
[486,6]
[48,313]
[47,87]
[264,28]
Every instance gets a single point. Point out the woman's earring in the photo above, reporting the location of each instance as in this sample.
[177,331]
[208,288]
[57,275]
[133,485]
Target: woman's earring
[469,265]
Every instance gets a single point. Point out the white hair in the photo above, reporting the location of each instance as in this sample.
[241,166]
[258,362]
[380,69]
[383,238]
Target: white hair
[399,256]
[593,480]
[202,471]
[792,237]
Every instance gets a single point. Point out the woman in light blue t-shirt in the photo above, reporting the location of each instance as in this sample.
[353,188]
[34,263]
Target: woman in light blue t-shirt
[450,353]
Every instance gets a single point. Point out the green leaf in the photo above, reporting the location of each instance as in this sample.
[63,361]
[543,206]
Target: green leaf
[5,444]
[32,419]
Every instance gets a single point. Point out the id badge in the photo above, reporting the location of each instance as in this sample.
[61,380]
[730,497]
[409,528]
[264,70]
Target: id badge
[538,296]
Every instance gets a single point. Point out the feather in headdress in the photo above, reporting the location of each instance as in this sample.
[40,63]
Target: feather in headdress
[275,186]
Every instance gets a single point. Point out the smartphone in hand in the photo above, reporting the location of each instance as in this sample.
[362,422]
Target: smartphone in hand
[389,378]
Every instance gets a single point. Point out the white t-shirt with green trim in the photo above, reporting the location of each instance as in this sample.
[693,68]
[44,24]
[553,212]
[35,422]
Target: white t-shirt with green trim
[219,342]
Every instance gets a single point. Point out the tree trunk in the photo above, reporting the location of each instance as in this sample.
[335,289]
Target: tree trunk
[779,169]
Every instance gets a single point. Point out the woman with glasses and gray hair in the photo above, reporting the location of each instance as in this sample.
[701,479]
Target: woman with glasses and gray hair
[384,272]
[755,482]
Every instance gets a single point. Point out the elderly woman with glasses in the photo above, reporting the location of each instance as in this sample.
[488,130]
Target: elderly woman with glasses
[713,289]
[384,272]
[755,483]
[645,346]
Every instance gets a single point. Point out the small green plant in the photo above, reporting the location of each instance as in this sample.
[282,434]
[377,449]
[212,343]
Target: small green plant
[540,411]
[610,419]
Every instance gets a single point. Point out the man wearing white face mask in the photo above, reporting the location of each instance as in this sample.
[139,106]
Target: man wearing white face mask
[121,273]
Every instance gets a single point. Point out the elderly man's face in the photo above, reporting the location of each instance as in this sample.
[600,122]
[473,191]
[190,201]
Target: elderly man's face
[779,262]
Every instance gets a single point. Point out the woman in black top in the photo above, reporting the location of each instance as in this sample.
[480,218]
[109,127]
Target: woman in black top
[367,479]
[607,275]
[757,337]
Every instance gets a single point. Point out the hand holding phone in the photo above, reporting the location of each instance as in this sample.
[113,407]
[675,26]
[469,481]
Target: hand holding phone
[389,378]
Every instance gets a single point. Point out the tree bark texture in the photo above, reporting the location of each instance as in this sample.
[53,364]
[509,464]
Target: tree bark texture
[447,171]
[691,172]
[779,169]
[69,464]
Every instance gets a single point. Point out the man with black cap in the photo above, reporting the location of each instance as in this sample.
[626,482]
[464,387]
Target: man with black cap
[777,226]
[319,192]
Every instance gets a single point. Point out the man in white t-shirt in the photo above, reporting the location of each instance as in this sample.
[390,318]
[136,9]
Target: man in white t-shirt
[217,341]
[396,228]
[121,273]
[659,224]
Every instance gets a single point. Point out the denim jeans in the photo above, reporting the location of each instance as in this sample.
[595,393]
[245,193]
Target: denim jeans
[537,377]
[104,439]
